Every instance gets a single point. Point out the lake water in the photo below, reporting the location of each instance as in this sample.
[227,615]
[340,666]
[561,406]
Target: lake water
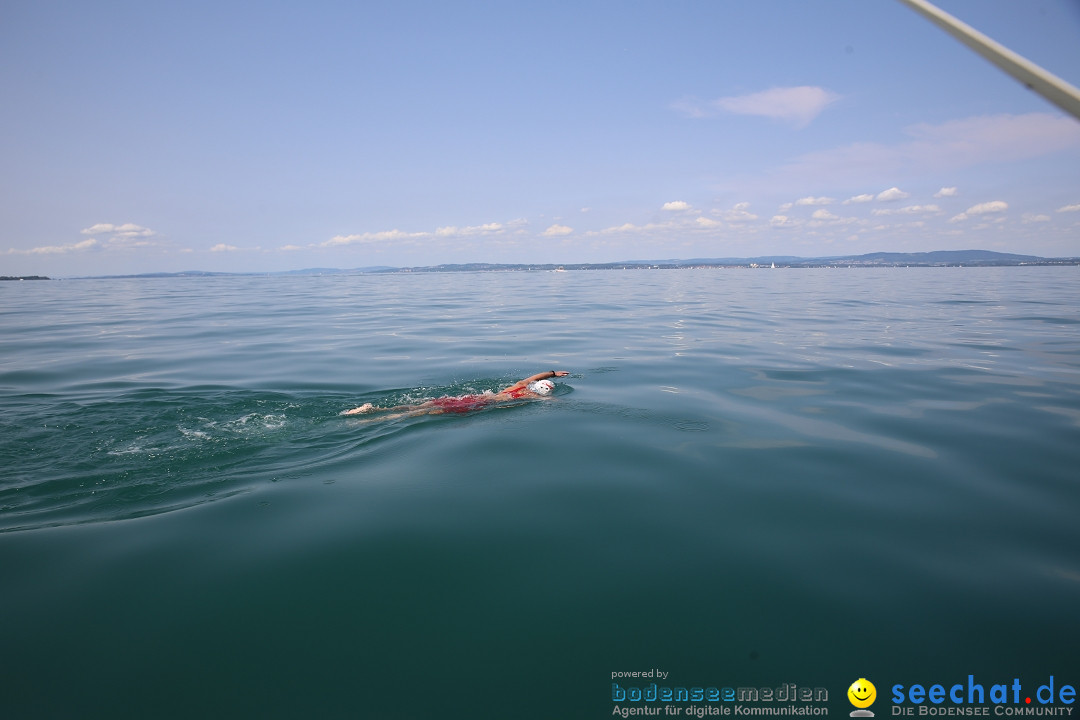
[750,478]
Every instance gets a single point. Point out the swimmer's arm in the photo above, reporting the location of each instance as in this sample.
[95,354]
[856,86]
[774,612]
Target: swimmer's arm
[369,408]
[538,376]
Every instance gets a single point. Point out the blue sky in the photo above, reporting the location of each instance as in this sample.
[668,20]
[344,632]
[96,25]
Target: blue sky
[244,136]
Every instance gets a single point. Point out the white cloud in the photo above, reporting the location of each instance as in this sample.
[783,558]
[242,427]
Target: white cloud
[988,207]
[625,227]
[517,225]
[739,213]
[995,206]
[127,230]
[815,201]
[469,230]
[909,210]
[616,230]
[99,229]
[402,237]
[222,247]
[945,192]
[676,205]
[797,105]
[128,235]
[556,230]
[373,237]
[1029,218]
[997,137]
[631,228]
[891,195]
[864,198]
[939,148]
[823,218]
[783,221]
[103,236]
[57,249]
[707,223]
[1070,208]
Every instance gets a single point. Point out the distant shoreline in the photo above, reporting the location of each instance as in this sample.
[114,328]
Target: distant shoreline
[940,258]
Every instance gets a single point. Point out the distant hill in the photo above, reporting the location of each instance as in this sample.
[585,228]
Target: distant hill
[337,271]
[928,259]
[204,273]
[185,273]
[947,257]
[938,258]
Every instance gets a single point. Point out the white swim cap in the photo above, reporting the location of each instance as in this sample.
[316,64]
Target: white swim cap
[542,387]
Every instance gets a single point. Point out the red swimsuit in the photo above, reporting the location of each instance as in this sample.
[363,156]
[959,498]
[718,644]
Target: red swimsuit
[468,403]
[462,403]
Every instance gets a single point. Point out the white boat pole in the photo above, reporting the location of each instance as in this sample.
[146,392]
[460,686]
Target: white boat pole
[1050,86]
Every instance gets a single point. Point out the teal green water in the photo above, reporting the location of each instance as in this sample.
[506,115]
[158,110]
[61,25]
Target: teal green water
[750,478]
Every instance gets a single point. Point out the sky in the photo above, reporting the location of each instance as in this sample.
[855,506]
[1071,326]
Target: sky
[243,136]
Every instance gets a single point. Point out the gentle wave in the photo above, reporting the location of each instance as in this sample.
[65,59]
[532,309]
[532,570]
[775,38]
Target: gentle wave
[750,477]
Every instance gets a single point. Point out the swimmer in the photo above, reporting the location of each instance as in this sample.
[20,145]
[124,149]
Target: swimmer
[531,388]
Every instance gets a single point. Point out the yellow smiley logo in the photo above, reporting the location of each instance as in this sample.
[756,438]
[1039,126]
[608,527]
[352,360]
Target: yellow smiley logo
[862,693]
